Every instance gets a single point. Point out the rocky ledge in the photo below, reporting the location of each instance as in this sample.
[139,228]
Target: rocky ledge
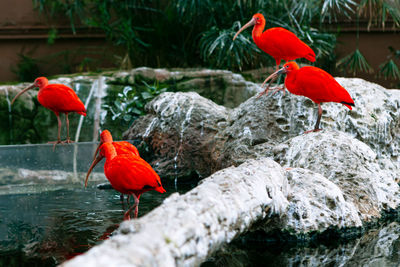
[263,172]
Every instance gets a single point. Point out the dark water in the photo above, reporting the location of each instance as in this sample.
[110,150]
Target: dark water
[49,227]
[376,246]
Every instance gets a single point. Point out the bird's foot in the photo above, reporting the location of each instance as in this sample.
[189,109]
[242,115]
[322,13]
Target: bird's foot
[263,92]
[127,216]
[68,141]
[314,130]
[279,89]
[55,143]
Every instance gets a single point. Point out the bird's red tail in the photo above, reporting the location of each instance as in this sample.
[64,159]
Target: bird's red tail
[310,56]
[160,189]
[82,113]
[348,104]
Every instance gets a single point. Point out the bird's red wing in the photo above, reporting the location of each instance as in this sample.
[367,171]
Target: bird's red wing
[320,86]
[285,44]
[130,173]
[61,98]
[124,147]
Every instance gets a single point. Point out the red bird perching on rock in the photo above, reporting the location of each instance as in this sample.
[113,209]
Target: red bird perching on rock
[58,98]
[314,83]
[277,42]
[129,174]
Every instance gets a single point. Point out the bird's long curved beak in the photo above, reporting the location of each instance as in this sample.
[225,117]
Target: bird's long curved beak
[248,24]
[23,91]
[274,76]
[94,163]
[97,150]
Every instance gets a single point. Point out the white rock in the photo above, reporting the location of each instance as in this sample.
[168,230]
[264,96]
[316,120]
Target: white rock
[348,163]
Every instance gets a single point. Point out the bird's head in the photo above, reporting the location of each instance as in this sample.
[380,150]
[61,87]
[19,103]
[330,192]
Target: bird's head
[257,19]
[105,137]
[287,68]
[39,82]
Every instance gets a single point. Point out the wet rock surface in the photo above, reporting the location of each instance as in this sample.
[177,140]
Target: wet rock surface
[181,129]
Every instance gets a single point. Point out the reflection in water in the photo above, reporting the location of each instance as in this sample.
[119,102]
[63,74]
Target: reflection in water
[47,228]
[377,247]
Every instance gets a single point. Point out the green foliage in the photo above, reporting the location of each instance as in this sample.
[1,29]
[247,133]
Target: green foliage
[188,33]
[27,68]
[389,68]
[379,11]
[129,104]
[354,62]
[218,48]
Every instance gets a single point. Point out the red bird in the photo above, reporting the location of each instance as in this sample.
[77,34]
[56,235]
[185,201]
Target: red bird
[127,174]
[58,98]
[314,83]
[121,147]
[277,42]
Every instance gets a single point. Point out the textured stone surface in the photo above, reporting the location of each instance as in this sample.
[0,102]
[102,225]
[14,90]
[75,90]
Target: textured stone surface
[258,124]
[180,128]
[185,229]
[348,163]
[273,119]
[315,204]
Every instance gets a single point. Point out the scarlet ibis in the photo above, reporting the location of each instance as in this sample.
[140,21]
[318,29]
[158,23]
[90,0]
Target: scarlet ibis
[58,98]
[277,42]
[121,147]
[128,174]
[314,83]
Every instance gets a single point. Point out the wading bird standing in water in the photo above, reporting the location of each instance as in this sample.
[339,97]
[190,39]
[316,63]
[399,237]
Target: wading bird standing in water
[58,98]
[277,42]
[129,174]
[121,147]
[314,83]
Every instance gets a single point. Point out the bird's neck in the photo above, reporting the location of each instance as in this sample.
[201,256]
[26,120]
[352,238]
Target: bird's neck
[110,153]
[290,81]
[257,31]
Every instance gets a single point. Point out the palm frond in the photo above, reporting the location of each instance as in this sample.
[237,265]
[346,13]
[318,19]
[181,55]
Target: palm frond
[353,63]
[389,69]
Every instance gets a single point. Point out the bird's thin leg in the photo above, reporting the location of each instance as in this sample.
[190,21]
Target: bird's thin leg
[279,88]
[273,78]
[68,141]
[58,133]
[134,206]
[316,128]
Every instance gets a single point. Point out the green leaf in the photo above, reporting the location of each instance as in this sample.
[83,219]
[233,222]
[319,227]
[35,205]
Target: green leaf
[146,95]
